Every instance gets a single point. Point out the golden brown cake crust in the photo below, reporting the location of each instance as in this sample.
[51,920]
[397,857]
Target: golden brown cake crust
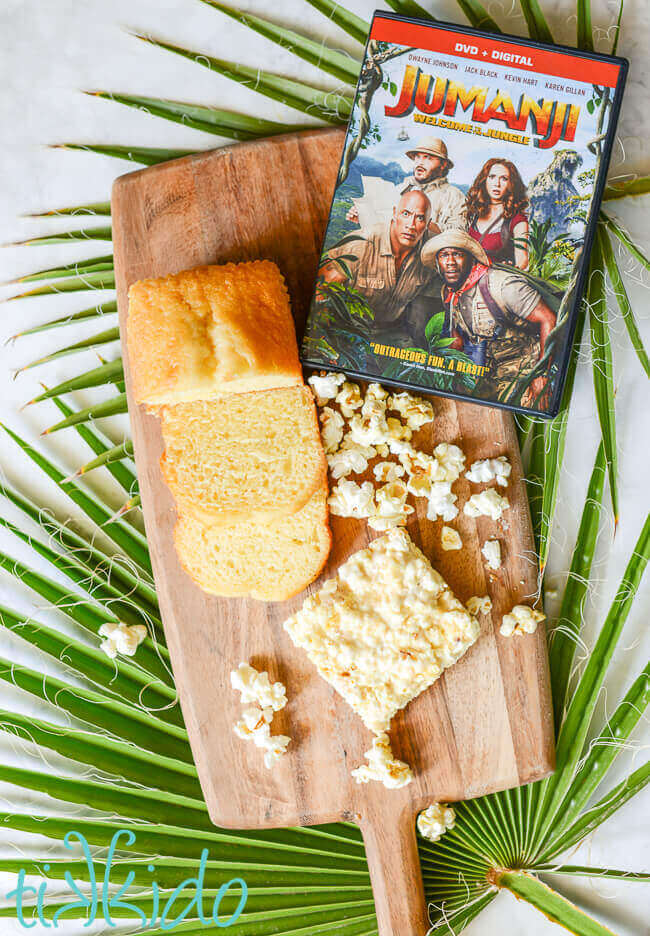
[215,329]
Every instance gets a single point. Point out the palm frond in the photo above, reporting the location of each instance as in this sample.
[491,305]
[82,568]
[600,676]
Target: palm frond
[537,26]
[111,407]
[602,364]
[478,16]
[623,301]
[199,117]
[332,107]
[349,22]
[584,37]
[145,155]
[343,67]
[566,632]
[62,237]
[104,308]
[94,341]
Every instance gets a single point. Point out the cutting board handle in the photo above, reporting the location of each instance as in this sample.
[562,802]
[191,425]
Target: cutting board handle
[395,873]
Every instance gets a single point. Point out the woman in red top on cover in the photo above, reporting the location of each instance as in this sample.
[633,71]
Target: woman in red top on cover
[496,205]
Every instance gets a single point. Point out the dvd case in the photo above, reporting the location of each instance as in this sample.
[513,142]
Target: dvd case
[464,211]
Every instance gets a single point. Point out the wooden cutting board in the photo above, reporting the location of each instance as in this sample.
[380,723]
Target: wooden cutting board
[486,724]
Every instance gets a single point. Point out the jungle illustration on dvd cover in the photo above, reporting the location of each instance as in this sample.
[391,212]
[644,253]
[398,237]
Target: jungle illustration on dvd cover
[457,244]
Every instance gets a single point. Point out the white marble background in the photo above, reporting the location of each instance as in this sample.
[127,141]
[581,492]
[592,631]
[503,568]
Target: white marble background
[49,52]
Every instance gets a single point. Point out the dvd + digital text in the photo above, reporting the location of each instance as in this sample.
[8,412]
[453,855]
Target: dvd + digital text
[457,247]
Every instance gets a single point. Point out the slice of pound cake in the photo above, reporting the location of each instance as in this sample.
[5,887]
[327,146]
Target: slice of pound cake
[270,560]
[247,456]
[215,329]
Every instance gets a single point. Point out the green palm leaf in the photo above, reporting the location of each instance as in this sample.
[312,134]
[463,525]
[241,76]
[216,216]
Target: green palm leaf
[478,15]
[104,308]
[98,233]
[556,908]
[574,729]
[567,629]
[341,66]
[617,189]
[103,209]
[585,38]
[112,407]
[104,337]
[99,444]
[331,107]
[349,22]
[125,537]
[146,155]
[537,25]
[624,305]
[601,356]
[208,119]
[97,377]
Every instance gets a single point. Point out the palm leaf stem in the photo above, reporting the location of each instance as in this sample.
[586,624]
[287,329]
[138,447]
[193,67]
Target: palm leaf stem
[95,208]
[585,871]
[556,908]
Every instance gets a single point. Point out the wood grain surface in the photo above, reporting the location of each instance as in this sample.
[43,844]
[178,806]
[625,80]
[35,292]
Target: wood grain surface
[486,724]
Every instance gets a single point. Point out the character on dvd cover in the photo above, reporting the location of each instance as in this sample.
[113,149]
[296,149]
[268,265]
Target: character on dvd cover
[452,251]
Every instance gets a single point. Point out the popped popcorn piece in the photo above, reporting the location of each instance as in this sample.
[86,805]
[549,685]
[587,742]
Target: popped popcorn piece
[387,471]
[476,605]
[382,449]
[442,503]
[392,509]
[256,687]
[374,404]
[121,638]
[490,469]
[325,386]
[451,461]
[367,430]
[347,461]
[383,766]
[252,720]
[450,539]
[435,821]
[492,552]
[255,726]
[486,504]
[368,451]
[521,620]
[349,398]
[349,499]
[414,410]
[397,431]
[331,429]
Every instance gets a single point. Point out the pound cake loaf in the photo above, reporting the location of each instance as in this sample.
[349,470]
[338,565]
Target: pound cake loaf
[245,456]
[212,330]
[270,560]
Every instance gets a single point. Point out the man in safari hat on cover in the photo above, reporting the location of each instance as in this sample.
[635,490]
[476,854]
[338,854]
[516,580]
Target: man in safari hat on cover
[495,316]
[431,165]
[430,169]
